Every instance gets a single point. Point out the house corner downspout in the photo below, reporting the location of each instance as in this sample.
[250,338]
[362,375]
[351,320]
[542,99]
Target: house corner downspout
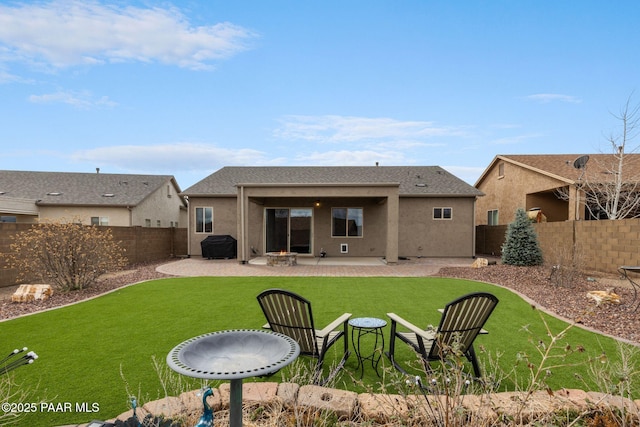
[243,245]
[189,229]
[474,228]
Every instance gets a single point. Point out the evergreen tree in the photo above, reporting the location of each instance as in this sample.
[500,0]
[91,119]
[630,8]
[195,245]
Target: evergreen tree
[521,245]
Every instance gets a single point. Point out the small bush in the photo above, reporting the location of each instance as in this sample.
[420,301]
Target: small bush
[67,255]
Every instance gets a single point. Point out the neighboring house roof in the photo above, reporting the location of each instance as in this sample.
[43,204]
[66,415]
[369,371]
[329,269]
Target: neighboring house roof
[560,166]
[412,180]
[82,189]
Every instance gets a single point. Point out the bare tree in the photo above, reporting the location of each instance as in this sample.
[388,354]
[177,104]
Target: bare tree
[609,184]
[616,192]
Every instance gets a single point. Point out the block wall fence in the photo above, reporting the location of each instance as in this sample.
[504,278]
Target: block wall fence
[600,246]
[142,244]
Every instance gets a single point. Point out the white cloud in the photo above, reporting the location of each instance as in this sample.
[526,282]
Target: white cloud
[170,158]
[82,100]
[6,77]
[340,129]
[351,158]
[63,33]
[545,98]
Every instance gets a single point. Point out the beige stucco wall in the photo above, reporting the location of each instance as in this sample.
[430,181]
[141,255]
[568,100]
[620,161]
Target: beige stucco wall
[158,206]
[416,228]
[162,205]
[117,216]
[344,195]
[509,192]
[224,220]
[421,235]
[372,243]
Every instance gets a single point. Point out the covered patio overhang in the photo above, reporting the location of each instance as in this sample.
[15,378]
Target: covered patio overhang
[384,195]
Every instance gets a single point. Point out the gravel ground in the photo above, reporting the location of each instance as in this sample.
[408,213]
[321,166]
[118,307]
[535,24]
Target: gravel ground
[568,300]
[109,282]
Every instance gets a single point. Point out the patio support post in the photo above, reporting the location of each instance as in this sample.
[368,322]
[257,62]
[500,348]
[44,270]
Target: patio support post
[242,225]
[393,217]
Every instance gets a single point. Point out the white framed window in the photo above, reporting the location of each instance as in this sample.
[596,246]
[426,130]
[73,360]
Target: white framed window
[442,213]
[158,223]
[492,217]
[204,220]
[147,222]
[501,170]
[346,222]
[99,220]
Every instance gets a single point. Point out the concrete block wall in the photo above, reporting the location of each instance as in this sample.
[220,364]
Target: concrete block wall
[142,244]
[601,246]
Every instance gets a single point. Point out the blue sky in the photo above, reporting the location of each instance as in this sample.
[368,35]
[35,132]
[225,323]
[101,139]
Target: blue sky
[187,87]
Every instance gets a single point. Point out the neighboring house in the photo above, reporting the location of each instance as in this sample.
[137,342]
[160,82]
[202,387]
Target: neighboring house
[552,183]
[381,211]
[93,198]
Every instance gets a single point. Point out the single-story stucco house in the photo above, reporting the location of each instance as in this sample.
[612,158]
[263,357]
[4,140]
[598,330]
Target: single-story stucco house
[123,200]
[377,211]
[536,182]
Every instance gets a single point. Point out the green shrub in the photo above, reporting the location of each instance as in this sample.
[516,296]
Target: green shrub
[521,245]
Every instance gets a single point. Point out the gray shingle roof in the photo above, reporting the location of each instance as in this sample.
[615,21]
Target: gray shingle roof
[413,180]
[86,189]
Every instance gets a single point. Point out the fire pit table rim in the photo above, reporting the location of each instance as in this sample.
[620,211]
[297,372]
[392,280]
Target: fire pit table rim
[282,258]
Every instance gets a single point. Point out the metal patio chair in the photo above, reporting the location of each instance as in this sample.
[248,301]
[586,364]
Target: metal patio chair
[290,314]
[461,322]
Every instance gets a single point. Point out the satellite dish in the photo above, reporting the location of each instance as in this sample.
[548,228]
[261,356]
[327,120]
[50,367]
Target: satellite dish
[581,162]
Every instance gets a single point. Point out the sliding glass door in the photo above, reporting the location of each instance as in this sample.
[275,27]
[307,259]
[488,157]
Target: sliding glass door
[288,229]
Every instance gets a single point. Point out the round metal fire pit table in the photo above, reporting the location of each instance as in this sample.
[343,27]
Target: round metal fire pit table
[233,355]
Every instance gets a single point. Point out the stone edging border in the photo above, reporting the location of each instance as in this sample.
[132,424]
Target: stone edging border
[385,408]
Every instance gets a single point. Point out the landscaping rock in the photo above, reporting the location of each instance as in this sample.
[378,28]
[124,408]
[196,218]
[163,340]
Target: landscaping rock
[614,402]
[26,293]
[577,398]
[288,393]
[251,392]
[318,399]
[321,404]
[479,409]
[168,407]
[383,408]
[604,296]
[192,401]
[480,262]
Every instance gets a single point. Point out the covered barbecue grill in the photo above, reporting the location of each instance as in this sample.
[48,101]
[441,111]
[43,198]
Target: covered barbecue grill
[220,246]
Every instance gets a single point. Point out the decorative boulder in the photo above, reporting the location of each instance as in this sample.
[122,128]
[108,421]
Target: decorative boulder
[26,293]
[480,262]
[607,296]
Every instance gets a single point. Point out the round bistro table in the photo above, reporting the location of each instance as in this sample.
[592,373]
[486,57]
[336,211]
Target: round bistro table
[363,326]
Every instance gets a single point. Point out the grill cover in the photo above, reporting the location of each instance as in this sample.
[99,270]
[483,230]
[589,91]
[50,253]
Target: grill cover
[220,246]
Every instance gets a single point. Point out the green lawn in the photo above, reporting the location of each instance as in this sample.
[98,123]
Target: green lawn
[84,348]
